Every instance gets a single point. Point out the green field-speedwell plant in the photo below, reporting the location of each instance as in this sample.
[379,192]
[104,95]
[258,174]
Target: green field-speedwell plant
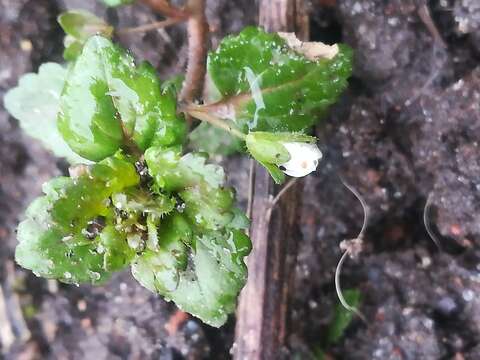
[135,197]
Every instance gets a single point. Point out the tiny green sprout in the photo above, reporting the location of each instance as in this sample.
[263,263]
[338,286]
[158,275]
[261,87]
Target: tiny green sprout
[135,197]
[342,319]
[342,316]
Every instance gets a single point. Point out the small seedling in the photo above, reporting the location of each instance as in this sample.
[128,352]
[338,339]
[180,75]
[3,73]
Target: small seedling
[136,198]
[341,320]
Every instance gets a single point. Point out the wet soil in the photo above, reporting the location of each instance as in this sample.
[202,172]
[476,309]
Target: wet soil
[405,131]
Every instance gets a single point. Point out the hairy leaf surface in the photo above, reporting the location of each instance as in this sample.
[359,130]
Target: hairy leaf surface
[204,279]
[263,84]
[69,234]
[172,171]
[201,245]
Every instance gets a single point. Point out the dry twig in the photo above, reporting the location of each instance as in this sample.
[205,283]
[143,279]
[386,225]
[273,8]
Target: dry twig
[151,26]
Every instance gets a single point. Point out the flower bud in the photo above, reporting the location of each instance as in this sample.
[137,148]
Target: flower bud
[291,153]
[304,159]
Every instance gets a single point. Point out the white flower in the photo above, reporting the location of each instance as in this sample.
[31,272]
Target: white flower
[303,159]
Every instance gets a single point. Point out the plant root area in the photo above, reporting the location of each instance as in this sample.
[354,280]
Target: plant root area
[406,130]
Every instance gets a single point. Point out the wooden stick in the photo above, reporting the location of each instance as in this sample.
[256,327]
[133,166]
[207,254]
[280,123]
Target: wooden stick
[13,303]
[262,316]
[13,328]
[284,15]
[7,338]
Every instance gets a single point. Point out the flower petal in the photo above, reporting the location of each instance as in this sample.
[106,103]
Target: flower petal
[304,159]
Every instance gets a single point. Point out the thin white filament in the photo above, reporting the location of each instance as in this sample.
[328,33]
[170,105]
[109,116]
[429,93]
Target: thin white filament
[347,253]
[338,288]
[426,221]
[365,208]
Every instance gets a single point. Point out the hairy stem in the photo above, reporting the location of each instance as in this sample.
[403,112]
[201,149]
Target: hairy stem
[197,28]
[164,8]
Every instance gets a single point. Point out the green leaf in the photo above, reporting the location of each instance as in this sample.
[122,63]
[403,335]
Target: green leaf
[207,207]
[107,100]
[81,25]
[35,103]
[73,48]
[117,254]
[42,250]
[72,234]
[171,171]
[174,84]
[158,268]
[263,84]
[207,203]
[213,140]
[277,175]
[113,3]
[266,150]
[198,262]
[343,317]
[207,283]
[141,203]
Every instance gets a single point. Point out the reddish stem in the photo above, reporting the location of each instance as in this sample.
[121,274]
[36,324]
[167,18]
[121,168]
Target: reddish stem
[197,28]
[164,8]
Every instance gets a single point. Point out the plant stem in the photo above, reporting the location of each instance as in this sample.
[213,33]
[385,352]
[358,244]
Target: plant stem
[215,121]
[197,28]
[151,26]
[164,8]
[129,145]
